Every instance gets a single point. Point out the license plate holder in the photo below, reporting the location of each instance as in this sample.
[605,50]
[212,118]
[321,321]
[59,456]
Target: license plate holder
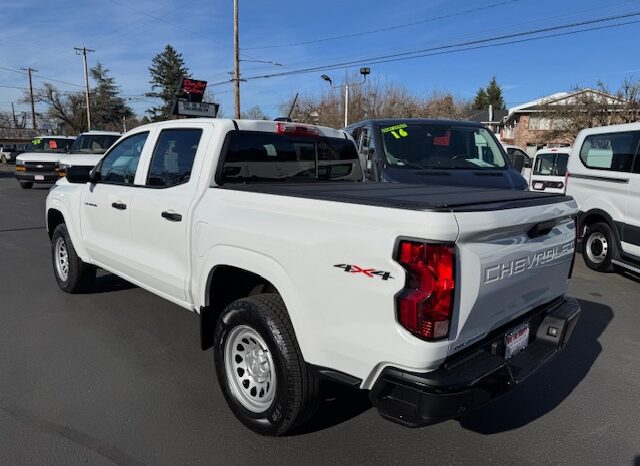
[538,185]
[516,340]
[38,177]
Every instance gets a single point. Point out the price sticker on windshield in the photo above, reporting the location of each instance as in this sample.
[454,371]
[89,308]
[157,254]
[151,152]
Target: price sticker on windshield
[397,131]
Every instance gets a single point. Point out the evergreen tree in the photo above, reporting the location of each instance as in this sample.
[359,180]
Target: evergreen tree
[491,95]
[494,95]
[166,69]
[481,101]
[108,109]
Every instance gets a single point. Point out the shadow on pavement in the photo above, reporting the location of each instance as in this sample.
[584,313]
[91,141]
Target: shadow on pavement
[339,404]
[109,282]
[545,390]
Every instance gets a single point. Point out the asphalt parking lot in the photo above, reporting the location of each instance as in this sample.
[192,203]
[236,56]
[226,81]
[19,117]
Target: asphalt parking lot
[117,376]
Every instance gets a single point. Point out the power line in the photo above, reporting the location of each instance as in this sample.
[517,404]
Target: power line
[178,26]
[471,45]
[384,29]
[45,78]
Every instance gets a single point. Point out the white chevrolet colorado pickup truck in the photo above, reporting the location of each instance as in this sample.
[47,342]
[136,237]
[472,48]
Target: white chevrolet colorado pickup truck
[435,299]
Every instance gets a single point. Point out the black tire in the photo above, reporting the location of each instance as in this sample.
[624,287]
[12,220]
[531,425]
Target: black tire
[599,247]
[79,275]
[296,393]
[26,184]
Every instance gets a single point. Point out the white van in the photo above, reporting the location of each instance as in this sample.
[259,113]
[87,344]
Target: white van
[604,179]
[549,170]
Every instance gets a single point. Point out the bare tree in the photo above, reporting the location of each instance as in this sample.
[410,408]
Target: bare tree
[566,116]
[67,109]
[374,99]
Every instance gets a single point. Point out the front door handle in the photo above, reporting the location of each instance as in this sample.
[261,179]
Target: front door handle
[172,216]
[119,205]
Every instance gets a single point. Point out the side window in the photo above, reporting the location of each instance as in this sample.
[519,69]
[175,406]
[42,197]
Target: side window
[613,151]
[119,166]
[173,156]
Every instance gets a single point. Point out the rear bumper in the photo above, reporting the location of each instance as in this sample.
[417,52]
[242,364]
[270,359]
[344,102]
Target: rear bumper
[48,177]
[470,380]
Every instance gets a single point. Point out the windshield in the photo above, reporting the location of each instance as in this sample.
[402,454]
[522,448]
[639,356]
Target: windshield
[261,156]
[93,143]
[551,164]
[55,145]
[425,146]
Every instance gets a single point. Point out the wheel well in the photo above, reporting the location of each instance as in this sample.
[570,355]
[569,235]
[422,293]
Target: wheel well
[54,218]
[226,284]
[597,216]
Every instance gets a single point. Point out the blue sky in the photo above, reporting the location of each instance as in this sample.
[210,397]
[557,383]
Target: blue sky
[126,35]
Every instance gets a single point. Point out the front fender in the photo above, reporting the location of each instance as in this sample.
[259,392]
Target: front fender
[60,201]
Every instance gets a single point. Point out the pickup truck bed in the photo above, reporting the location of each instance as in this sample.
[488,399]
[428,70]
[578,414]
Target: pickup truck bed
[406,196]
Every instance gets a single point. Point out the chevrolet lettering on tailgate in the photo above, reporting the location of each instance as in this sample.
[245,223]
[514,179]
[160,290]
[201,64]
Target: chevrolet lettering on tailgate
[498,272]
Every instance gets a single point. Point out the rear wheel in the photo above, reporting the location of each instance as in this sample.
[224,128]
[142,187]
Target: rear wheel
[26,184]
[260,367]
[599,247]
[72,274]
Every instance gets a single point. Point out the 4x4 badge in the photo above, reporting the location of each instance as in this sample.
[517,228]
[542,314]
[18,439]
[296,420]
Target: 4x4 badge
[369,272]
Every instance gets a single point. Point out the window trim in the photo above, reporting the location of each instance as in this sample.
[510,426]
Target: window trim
[98,167]
[634,156]
[153,153]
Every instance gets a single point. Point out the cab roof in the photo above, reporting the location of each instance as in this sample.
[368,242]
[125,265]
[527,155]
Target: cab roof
[424,121]
[268,126]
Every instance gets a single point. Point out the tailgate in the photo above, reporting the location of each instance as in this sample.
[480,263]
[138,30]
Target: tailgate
[510,261]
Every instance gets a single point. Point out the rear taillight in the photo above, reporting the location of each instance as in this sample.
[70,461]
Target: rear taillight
[425,305]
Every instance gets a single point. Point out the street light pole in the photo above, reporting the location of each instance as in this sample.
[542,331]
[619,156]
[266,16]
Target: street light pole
[346,105]
[236,54]
[364,72]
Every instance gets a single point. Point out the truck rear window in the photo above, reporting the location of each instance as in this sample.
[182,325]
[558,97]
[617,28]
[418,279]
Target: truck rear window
[261,156]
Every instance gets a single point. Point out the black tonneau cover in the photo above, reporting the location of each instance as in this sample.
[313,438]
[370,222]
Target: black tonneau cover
[405,196]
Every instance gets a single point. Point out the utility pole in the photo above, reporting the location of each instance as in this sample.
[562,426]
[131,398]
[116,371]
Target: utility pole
[84,51]
[33,105]
[236,57]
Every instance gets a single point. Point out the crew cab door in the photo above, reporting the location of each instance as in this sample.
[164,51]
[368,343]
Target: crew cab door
[161,209]
[105,205]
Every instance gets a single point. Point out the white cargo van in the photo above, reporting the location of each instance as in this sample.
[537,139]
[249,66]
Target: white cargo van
[604,178]
[549,170]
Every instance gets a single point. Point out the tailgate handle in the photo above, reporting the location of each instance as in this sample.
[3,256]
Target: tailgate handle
[541,229]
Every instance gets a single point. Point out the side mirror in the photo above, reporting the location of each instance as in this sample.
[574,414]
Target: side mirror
[95,176]
[77,174]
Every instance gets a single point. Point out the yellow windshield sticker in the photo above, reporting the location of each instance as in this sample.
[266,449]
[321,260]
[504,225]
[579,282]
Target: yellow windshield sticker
[36,141]
[397,131]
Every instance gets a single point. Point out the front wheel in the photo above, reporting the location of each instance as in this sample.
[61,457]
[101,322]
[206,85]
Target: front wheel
[72,274]
[260,367]
[599,247]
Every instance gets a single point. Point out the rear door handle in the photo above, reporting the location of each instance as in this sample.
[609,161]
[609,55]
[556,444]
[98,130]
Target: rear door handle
[119,205]
[172,216]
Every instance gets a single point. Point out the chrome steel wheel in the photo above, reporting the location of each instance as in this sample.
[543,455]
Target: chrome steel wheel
[62,259]
[597,247]
[249,369]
